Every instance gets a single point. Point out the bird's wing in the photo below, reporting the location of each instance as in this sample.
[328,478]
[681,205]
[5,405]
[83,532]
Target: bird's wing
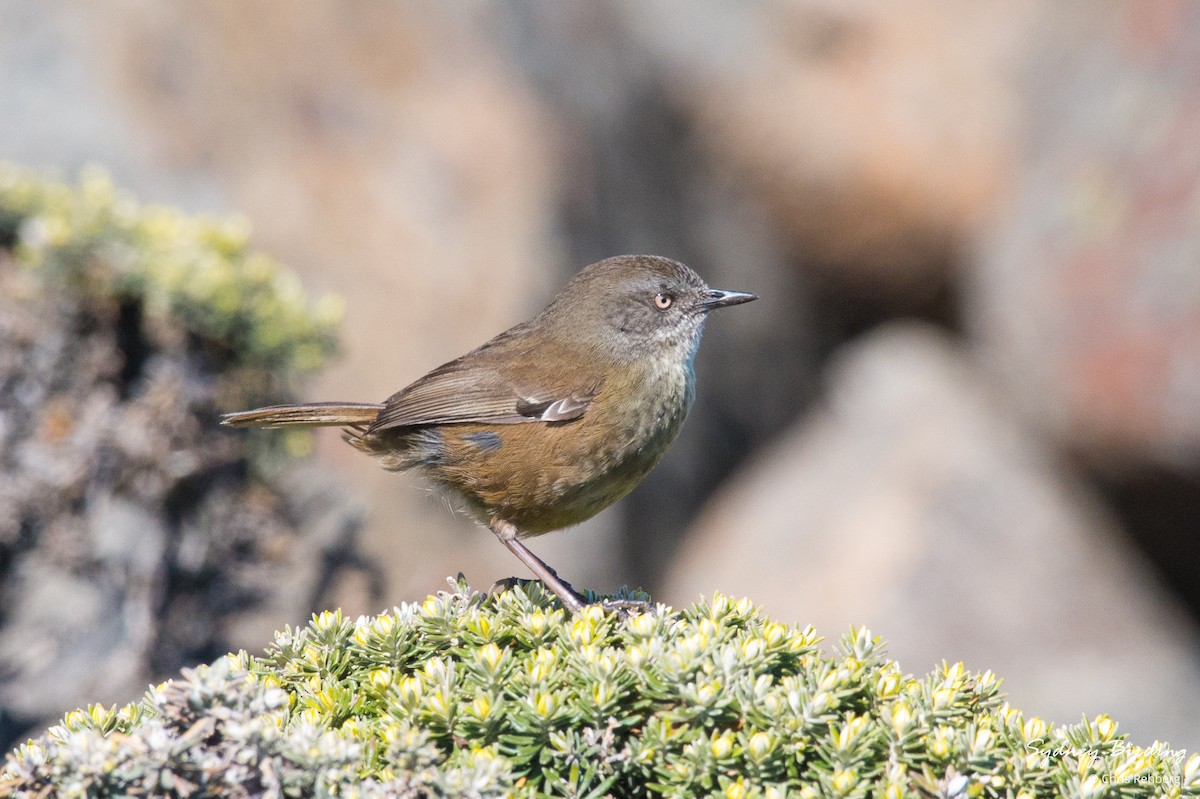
[480,387]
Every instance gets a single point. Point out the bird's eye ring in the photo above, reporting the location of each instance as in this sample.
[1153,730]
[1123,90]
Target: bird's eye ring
[663,300]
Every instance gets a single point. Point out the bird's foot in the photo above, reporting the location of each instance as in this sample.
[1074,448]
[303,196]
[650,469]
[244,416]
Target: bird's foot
[571,599]
[624,605]
[508,583]
[624,608]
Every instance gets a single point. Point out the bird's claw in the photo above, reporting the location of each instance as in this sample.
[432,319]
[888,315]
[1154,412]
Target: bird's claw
[625,608]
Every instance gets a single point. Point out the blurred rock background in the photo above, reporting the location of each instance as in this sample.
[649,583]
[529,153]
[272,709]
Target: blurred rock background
[966,412]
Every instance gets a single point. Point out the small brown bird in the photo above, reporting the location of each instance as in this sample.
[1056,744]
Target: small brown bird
[553,420]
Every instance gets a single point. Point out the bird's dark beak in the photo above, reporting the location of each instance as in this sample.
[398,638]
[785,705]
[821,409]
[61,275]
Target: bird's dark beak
[716,298]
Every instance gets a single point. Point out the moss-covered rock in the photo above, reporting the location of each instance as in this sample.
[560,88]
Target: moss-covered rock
[467,695]
[196,270]
[134,537]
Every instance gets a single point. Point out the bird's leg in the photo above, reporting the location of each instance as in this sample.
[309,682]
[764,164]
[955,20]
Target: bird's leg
[507,534]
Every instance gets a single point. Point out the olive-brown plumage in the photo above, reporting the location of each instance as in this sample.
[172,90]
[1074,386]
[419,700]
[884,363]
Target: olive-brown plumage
[552,420]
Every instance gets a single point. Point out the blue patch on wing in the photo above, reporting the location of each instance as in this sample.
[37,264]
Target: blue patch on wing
[488,442]
[426,447]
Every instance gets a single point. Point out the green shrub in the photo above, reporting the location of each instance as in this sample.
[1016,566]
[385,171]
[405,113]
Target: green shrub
[199,293]
[466,695]
[195,270]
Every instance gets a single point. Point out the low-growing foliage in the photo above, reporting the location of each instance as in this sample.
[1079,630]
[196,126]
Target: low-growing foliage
[467,695]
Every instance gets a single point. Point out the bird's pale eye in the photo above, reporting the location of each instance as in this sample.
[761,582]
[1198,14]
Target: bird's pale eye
[663,300]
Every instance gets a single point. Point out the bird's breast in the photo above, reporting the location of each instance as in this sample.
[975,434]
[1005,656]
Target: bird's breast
[542,477]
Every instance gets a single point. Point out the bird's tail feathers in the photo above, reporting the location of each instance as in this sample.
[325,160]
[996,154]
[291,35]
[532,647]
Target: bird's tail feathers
[316,414]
